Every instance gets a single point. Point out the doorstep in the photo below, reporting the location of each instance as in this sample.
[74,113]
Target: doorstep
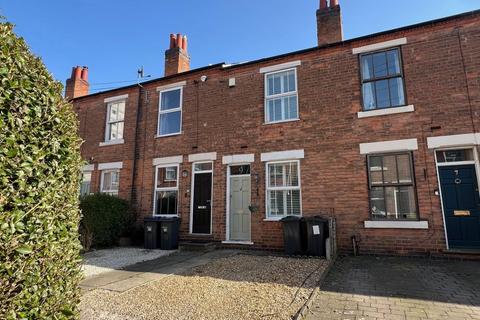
[463,251]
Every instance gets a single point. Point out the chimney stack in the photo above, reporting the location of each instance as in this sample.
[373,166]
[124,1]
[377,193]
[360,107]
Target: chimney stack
[177,59]
[77,85]
[329,22]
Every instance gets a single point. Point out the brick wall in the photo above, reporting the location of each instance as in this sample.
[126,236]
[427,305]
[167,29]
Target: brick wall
[230,121]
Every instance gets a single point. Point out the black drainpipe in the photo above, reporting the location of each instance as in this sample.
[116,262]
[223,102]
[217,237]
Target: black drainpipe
[136,153]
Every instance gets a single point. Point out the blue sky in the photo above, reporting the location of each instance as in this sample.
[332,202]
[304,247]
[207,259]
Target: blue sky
[114,37]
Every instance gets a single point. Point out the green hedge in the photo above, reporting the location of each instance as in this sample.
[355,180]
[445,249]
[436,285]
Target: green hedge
[39,188]
[105,219]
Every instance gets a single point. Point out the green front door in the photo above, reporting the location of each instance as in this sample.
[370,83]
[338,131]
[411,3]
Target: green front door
[240,221]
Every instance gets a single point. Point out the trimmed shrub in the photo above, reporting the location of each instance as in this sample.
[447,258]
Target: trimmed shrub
[105,219]
[39,188]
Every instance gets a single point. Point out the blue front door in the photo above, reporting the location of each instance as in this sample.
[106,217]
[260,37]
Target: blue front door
[461,205]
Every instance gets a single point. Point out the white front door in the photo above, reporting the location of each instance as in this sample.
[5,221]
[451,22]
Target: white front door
[240,198]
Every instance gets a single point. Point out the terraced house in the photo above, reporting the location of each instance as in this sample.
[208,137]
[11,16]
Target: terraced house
[380,132]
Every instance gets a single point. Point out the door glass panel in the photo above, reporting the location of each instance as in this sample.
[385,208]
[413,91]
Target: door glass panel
[207,166]
[455,155]
[239,170]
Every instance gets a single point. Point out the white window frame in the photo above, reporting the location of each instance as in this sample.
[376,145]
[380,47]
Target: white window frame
[84,172]
[102,176]
[160,111]
[280,95]
[268,189]
[156,189]
[108,122]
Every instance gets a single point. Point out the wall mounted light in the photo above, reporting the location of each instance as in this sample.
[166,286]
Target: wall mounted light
[185,173]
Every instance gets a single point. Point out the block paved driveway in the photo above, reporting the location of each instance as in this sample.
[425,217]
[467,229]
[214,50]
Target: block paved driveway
[399,288]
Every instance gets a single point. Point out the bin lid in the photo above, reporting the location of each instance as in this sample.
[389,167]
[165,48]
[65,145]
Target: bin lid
[151,219]
[168,219]
[290,218]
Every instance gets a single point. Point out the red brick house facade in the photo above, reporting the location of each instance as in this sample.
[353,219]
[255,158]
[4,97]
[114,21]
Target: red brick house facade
[379,132]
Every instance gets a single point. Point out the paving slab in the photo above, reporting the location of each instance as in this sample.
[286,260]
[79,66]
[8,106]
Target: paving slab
[140,274]
[399,288]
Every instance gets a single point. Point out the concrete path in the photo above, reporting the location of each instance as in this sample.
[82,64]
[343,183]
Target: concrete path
[399,288]
[145,272]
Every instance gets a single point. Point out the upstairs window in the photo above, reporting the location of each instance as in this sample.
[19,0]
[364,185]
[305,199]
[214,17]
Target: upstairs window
[283,189]
[166,191]
[382,80]
[170,114]
[281,99]
[115,121]
[392,188]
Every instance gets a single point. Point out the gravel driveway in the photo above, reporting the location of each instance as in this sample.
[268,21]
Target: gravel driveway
[238,287]
[100,261]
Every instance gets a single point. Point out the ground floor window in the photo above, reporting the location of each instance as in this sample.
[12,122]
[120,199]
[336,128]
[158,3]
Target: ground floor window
[110,181]
[86,181]
[166,190]
[283,189]
[392,187]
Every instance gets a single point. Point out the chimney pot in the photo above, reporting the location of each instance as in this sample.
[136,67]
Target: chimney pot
[184,44]
[78,73]
[179,40]
[333,3]
[323,4]
[85,73]
[173,40]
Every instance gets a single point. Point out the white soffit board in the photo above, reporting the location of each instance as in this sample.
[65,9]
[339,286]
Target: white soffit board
[239,158]
[380,46]
[389,146]
[172,85]
[167,160]
[282,66]
[396,224]
[210,156]
[453,140]
[88,167]
[283,155]
[110,165]
[116,98]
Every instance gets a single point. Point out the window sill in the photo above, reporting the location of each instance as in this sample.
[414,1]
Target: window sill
[382,224]
[278,219]
[167,135]
[386,111]
[248,243]
[282,121]
[111,143]
[273,219]
[165,216]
